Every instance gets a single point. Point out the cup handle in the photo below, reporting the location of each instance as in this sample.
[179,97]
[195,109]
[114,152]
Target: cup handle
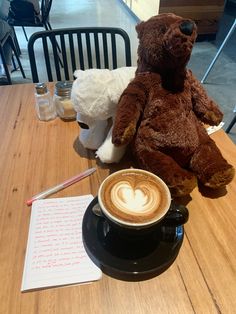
[176,216]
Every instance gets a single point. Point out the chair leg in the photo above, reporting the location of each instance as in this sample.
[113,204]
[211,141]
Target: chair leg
[231,124]
[14,64]
[26,37]
[48,27]
[16,42]
[17,57]
[219,51]
[5,66]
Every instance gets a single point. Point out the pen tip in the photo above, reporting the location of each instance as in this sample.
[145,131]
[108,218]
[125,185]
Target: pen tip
[29,202]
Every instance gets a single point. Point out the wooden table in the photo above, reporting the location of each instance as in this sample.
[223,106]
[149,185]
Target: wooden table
[36,155]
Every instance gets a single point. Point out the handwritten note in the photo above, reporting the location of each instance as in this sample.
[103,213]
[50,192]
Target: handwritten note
[55,253]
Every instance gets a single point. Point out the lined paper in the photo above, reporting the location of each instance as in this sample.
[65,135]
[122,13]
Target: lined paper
[55,253]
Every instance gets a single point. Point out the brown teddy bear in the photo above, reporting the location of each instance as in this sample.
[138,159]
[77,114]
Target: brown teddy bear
[163,109]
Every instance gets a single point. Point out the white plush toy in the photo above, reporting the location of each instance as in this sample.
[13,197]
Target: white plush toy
[95,94]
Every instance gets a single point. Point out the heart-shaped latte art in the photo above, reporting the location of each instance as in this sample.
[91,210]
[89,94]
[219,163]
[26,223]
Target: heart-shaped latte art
[138,198]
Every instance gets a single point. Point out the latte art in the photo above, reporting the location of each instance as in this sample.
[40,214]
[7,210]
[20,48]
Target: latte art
[134,197]
[138,199]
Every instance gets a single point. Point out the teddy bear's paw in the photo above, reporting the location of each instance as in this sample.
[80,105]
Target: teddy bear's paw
[220,178]
[120,138]
[183,186]
[213,116]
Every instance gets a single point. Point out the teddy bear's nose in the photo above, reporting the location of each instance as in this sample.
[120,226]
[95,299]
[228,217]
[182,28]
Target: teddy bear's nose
[186,27]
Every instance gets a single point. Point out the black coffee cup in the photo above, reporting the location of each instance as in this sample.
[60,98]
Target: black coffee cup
[177,215]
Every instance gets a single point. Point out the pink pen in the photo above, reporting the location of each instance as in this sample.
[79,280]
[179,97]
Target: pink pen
[61,186]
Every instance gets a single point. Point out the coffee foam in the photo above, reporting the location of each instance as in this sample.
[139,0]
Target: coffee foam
[135,197]
[138,199]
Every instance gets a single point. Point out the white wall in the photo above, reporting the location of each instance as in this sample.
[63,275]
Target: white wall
[143,9]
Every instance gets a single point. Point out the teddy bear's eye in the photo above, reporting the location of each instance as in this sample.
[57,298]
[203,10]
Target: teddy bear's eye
[83,125]
[162,29]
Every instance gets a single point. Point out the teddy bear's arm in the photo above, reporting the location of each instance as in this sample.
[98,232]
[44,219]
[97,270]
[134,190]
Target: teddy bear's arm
[204,107]
[129,109]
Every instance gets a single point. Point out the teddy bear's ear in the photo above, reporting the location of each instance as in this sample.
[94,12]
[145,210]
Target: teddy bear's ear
[140,28]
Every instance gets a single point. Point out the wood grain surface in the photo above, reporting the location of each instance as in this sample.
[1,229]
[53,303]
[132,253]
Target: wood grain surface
[35,155]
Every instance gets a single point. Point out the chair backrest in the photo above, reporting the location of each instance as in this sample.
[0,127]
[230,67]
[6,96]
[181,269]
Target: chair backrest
[65,50]
[21,12]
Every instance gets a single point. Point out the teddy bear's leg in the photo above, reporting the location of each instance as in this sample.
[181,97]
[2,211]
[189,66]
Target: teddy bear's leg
[180,181]
[210,166]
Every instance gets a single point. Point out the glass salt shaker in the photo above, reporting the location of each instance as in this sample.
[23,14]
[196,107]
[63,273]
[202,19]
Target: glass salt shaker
[62,100]
[43,102]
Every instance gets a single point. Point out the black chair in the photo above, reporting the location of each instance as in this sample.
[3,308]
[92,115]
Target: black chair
[81,48]
[42,19]
[8,39]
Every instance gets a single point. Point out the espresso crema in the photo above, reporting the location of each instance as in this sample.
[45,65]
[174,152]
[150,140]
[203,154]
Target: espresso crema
[134,196]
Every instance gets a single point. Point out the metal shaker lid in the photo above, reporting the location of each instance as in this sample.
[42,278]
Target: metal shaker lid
[41,88]
[63,88]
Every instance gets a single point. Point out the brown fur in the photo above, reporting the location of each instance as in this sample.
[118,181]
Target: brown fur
[162,110]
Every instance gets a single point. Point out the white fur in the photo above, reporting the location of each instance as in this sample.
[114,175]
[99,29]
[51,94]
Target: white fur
[95,94]
[108,152]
